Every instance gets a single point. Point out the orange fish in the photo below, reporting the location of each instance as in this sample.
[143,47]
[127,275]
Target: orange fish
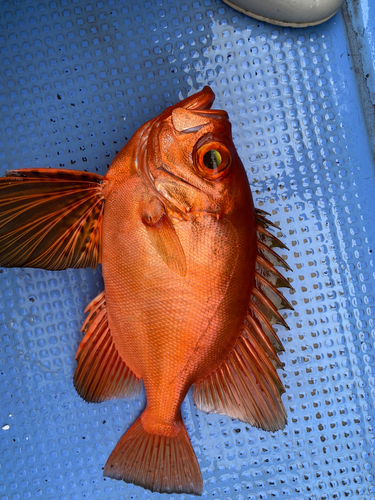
[191,289]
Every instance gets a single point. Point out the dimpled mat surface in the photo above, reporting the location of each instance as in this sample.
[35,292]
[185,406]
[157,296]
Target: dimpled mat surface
[77,79]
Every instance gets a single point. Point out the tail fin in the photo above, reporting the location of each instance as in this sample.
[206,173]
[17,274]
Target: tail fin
[159,463]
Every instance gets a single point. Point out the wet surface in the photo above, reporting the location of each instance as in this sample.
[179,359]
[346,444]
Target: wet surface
[78,79]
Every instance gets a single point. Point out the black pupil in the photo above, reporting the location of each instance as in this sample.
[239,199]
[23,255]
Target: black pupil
[212,159]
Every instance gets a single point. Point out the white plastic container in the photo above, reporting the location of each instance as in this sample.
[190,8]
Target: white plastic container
[295,13]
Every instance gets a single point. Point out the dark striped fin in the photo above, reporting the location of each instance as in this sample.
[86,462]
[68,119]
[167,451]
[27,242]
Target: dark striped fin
[51,219]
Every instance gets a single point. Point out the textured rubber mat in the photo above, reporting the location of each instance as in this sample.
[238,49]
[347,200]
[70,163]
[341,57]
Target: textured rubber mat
[77,79]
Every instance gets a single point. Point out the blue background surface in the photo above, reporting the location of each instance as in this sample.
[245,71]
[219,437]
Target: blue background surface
[77,80]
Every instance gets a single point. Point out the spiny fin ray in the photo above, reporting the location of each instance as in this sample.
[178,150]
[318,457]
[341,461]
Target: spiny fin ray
[246,385]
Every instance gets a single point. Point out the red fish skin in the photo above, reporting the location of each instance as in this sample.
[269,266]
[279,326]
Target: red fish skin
[174,330]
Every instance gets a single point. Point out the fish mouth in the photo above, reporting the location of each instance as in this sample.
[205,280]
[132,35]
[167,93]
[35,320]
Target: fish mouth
[201,100]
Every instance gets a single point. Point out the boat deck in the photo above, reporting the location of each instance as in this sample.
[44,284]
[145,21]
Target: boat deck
[78,78]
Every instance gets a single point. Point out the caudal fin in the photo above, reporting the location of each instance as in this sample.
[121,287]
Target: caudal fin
[159,463]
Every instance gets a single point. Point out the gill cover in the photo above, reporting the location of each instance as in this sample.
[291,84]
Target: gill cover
[213,160]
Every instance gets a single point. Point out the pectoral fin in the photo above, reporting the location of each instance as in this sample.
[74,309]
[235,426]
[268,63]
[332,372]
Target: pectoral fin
[50,219]
[163,236]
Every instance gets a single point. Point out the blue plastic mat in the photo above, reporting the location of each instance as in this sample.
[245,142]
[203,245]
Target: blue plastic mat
[77,79]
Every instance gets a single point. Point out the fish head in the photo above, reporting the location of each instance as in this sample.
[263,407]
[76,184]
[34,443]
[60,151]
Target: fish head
[192,161]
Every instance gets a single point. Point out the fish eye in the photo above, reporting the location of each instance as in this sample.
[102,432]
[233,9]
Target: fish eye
[213,160]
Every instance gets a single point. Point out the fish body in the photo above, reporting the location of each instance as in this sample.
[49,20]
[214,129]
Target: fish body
[172,328]
[190,284]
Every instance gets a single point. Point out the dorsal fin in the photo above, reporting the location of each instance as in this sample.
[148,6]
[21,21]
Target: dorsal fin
[101,374]
[246,385]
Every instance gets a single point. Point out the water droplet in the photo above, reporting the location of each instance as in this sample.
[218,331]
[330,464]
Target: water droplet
[6,427]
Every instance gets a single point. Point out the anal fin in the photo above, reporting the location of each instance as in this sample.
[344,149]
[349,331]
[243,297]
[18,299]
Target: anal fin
[101,374]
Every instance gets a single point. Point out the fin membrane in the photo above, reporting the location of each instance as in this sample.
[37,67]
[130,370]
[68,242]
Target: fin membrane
[50,219]
[246,385]
[166,464]
[163,237]
[101,374]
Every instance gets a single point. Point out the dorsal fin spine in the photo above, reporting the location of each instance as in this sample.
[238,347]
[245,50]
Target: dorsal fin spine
[284,302]
[270,306]
[262,247]
[264,340]
[261,229]
[266,265]
[246,385]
